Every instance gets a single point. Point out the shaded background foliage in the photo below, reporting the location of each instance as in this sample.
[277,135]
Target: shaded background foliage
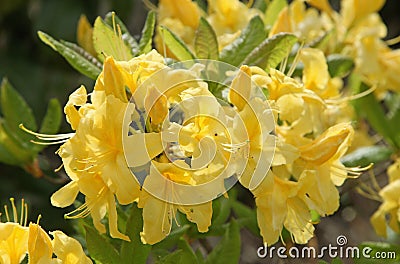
[39,74]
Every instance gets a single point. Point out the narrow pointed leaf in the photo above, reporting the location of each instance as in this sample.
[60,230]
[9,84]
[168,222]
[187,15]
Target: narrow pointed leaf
[176,45]
[146,40]
[108,42]
[271,51]
[76,60]
[205,42]
[248,40]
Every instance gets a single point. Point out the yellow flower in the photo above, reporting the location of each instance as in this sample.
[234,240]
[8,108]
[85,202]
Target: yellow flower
[95,152]
[13,242]
[17,241]
[305,23]
[182,17]
[391,203]
[353,10]
[316,76]
[158,214]
[229,16]
[391,207]
[279,205]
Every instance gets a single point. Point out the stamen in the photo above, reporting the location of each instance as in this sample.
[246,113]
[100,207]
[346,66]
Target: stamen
[50,143]
[393,41]
[48,137]
[6,211]
[26,215]
[59,168]
[38,219]
[22,212]
[14,210]
[352,97]
[295,61]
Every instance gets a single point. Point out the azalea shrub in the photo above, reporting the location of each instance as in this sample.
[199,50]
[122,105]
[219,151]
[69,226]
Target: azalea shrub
[222,117]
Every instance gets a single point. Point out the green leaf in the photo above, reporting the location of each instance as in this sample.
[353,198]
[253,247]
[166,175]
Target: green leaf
[205,41]
[273,10]
[188,256]
[260,5]
[134,251]
[111,18]
[172,239]
[368,107]
[367,155]
[107,42]
[75,59]
[10,150]
[175,45]
[16,111]
[246,215]
[271,51]
[221,211]
[173,258]
[339,65]
[228,248]
[147,33]
[202,4]
[249,39]
[374,252]
[199,255]
[184,254]
[52,120]
[100,249]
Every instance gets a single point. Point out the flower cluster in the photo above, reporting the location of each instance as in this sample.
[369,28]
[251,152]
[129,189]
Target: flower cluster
[263,101]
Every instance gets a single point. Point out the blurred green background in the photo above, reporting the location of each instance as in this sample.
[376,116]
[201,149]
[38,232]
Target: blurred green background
[39,74]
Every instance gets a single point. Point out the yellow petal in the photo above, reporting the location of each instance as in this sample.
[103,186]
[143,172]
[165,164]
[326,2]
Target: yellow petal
[66,195]
[68,250]
[84,35]
[141,148]
[113,219]
[13,242]
[156,105]
[157,220]
[315,73]
[240,90]
[323,5]
[329,145]
[114,80]
[200,214]
[39,244]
